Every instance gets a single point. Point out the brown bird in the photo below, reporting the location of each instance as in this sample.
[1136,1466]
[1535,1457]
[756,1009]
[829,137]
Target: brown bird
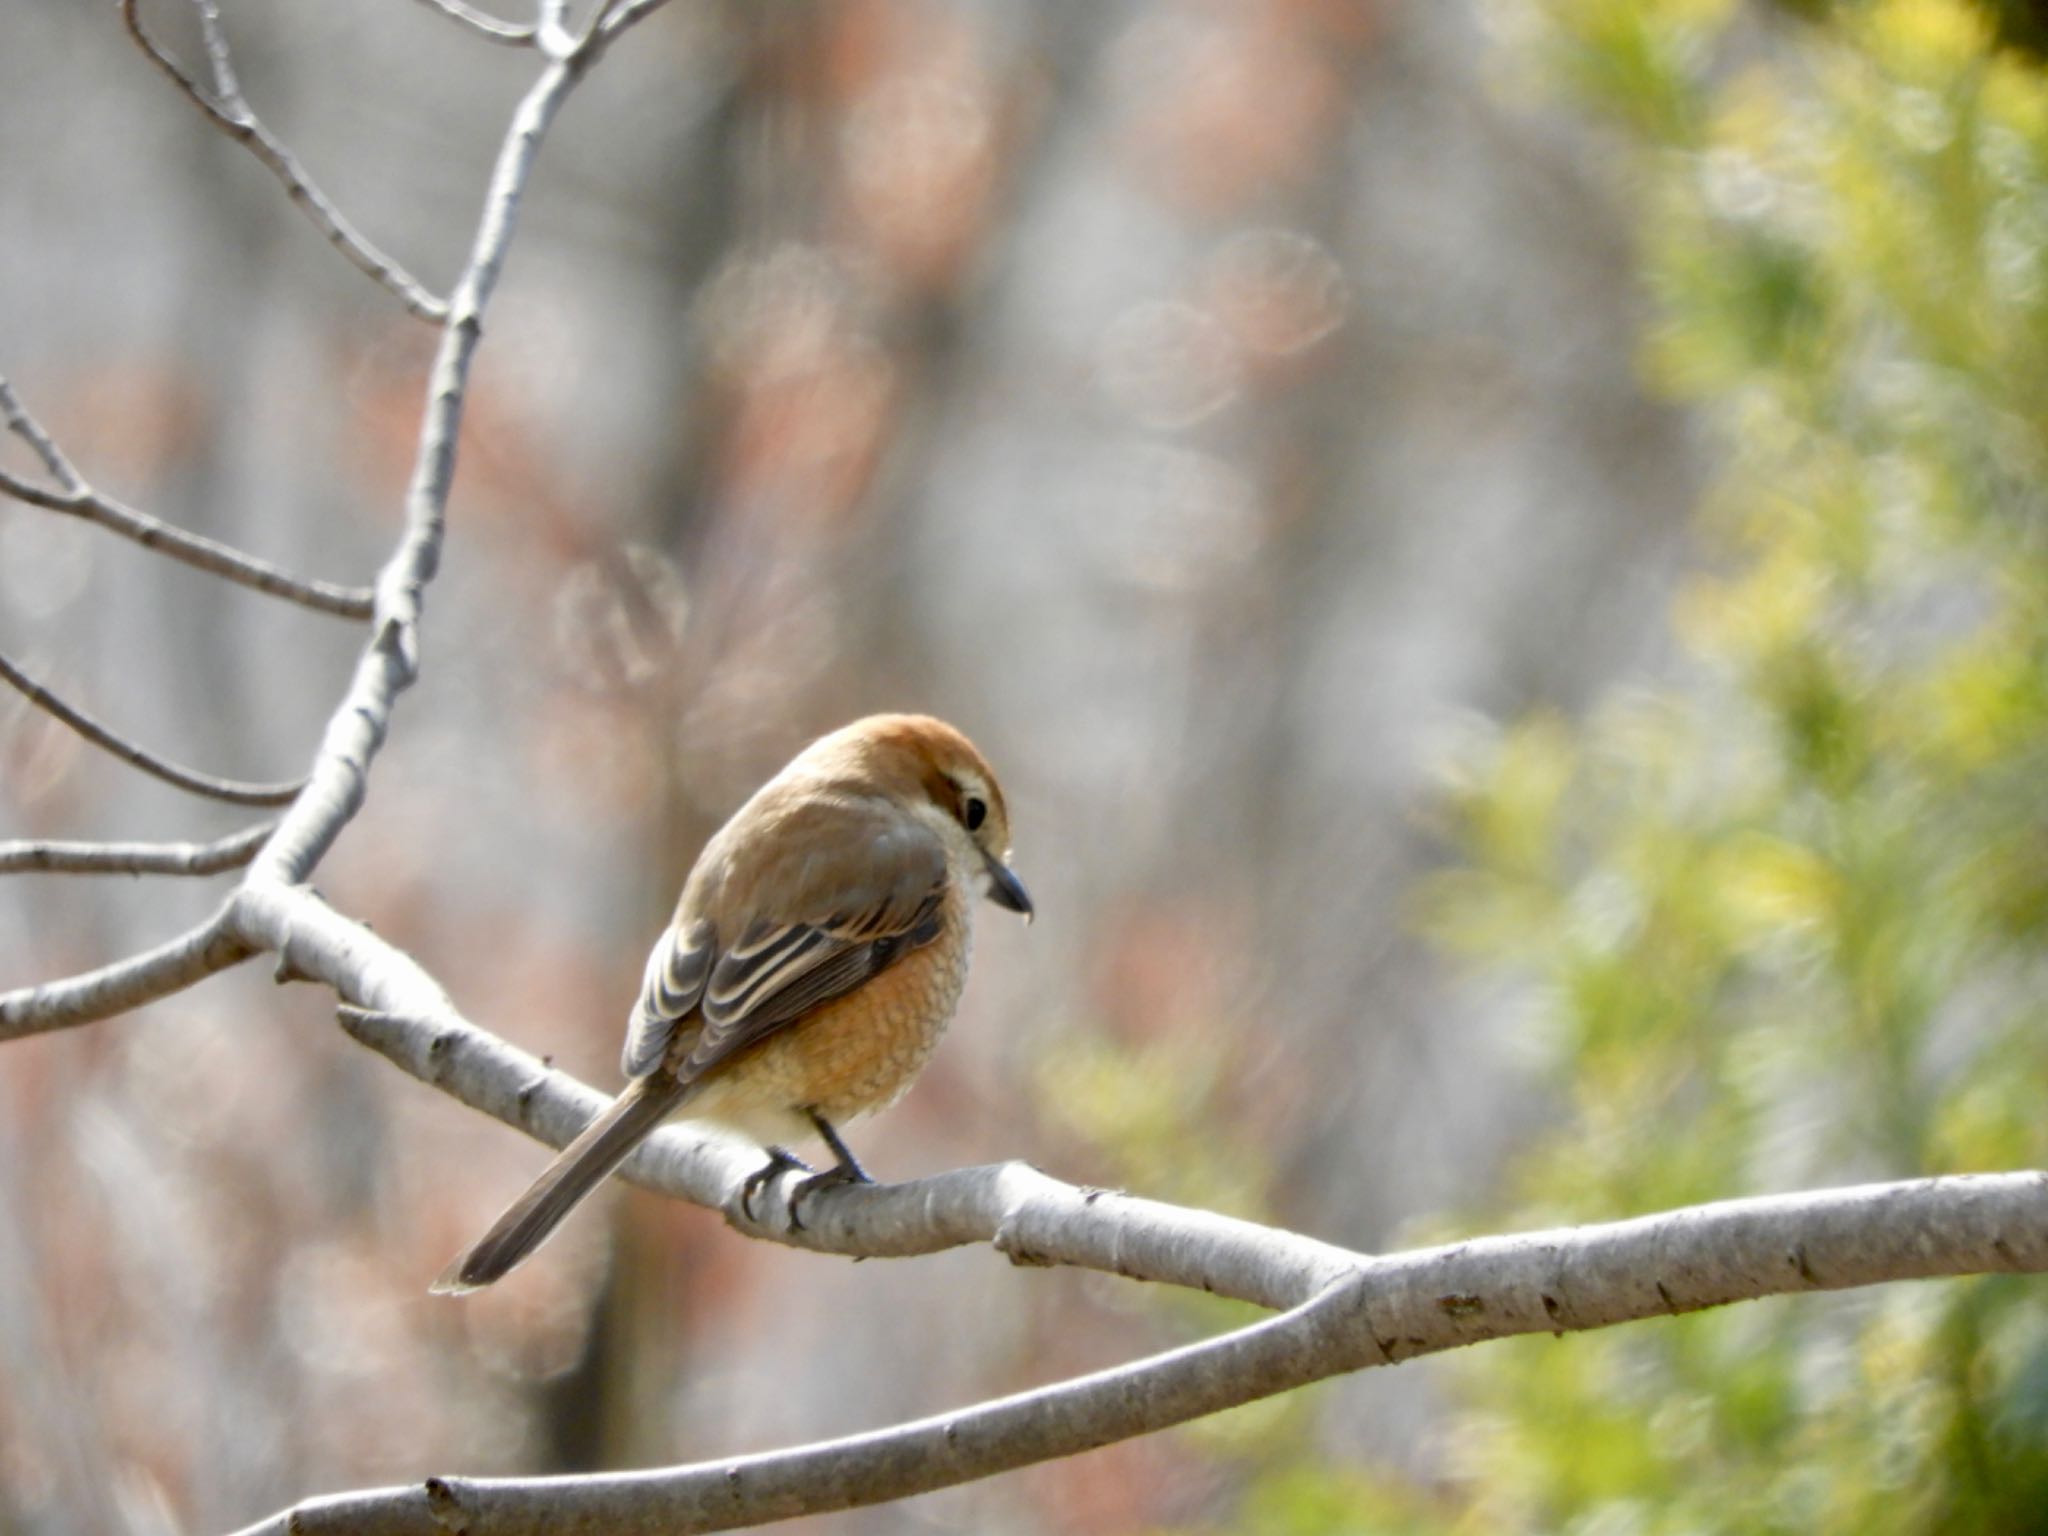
[815,957]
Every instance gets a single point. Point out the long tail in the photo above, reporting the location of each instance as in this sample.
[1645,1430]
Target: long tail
[579,1169]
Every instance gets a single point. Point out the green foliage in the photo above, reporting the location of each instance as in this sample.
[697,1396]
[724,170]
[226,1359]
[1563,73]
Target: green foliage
[1786,912]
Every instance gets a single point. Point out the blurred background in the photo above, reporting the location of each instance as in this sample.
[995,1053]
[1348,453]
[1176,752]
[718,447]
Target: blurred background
[1498,550]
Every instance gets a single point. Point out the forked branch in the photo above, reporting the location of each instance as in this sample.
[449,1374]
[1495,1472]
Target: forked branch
[390,662]
[1340,1311]
[224,107]
[1344,1311]
[266,906]
[75,498]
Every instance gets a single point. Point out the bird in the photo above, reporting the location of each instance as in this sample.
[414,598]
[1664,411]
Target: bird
[816,954]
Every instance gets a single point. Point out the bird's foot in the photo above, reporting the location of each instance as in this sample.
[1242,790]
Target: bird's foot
[780,1161]
[845,1172]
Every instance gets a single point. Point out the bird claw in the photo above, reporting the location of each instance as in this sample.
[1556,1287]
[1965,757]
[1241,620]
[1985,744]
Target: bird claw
[780,1161]
[848,1172]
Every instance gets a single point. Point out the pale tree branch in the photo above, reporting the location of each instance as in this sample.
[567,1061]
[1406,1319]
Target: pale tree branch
[552,32]
[76,498]
[155,973]
[233,791]
[486,26]
[134,858]
[1341,1311]
[617,15]
[1347,1312]
[1032,1218]
[225,86]
[390,662]
[264,908]
[224,107]
[30,431]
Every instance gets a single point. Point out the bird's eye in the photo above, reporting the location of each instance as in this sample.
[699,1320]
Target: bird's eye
[973,812]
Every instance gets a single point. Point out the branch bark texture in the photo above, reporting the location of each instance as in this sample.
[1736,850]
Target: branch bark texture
[1334,1310]
[1376,1311]
[133,858]
[155,973]
[75,498]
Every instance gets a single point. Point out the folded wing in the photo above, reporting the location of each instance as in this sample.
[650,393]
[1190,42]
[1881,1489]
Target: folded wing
[834,902]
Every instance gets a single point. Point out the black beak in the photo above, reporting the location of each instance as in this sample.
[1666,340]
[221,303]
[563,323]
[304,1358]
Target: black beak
[1006,890]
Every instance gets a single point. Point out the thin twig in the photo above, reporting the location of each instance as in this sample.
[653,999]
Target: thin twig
[75,858]
[172,967]
[227,111]
[30,431]
[486,26]
[270,909]
[617,17]
[390,662]
[78,499]
[233,791]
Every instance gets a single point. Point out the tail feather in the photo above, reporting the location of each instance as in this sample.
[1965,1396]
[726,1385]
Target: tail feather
[580,1168]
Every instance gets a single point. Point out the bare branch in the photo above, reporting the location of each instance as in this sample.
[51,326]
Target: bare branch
[233,791]
[314,942]
[1349,1311]
[198,551]
[171,967]
[74,858]
[227,111]
[217,57]
[267,912]
[552,33]
[489,27]
[78,499]
[390,662]
[617,15]
[30,431]
[1381,1311]
[1018,1210]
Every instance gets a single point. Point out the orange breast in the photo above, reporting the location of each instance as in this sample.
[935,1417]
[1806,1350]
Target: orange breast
[857,1053]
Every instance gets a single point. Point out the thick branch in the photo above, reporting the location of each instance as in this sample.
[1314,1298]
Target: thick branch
[313,942]
[227,111]
[172,967]
[233,791]
[78,499]
[1023,1213]
[1382,1311]
[71,858]
[1349,1310]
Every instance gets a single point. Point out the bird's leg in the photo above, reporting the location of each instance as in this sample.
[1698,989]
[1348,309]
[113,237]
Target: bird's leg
[847,1170]
[780,1160]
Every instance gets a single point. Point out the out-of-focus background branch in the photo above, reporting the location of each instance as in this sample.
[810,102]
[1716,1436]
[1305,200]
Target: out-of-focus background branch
[1226,414]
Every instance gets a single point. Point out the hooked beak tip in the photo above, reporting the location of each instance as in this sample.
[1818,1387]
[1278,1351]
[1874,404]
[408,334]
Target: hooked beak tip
[1006,890]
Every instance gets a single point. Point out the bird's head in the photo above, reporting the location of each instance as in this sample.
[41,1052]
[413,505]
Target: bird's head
[921,759]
